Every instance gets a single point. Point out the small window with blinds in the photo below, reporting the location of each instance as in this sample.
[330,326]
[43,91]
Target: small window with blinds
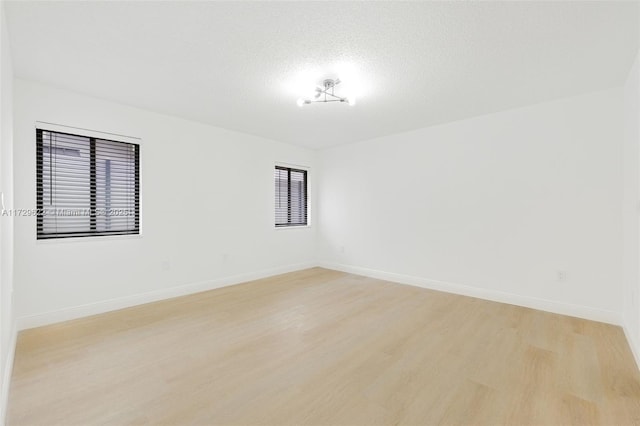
[291,196]
[86,186]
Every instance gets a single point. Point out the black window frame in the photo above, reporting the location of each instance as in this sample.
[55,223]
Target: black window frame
[93,231]
[289,195]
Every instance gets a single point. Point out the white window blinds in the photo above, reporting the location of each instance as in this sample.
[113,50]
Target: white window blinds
[290,196]
[86,186]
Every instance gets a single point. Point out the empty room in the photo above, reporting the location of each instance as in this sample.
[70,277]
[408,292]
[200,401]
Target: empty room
[319,213]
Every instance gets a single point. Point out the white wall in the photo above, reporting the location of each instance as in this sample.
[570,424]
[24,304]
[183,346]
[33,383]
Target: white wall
[7,336]
[492,206]
[631,209]
[206,208]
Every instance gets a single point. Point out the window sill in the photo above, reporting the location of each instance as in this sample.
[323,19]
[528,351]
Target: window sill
[92,239]
[278,228]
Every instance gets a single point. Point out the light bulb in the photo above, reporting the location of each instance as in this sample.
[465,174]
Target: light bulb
[300,102]
[351,101]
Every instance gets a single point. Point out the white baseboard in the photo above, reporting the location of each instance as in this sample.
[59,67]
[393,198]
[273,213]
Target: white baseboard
[562,308]
[634,344]
[32,321]
[66,314]
[8,370]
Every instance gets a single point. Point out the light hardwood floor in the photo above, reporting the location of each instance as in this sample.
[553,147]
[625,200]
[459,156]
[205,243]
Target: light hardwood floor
[325,348]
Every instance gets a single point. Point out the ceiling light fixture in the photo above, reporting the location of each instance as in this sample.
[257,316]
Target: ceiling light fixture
[327,94]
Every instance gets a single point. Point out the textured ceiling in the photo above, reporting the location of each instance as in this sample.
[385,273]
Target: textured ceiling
[242,65]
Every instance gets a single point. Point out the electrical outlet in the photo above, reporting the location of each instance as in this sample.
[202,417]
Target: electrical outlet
[166,265]
[341,249]
[561,276]
[225,257]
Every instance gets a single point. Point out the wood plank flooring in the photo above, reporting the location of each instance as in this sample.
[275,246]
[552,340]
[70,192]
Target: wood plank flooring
[320,347]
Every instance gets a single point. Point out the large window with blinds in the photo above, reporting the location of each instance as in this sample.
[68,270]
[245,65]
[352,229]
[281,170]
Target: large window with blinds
[86,186]
[291,196]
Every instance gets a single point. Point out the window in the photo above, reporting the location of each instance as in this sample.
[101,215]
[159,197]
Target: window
[86,186]
[291,197]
